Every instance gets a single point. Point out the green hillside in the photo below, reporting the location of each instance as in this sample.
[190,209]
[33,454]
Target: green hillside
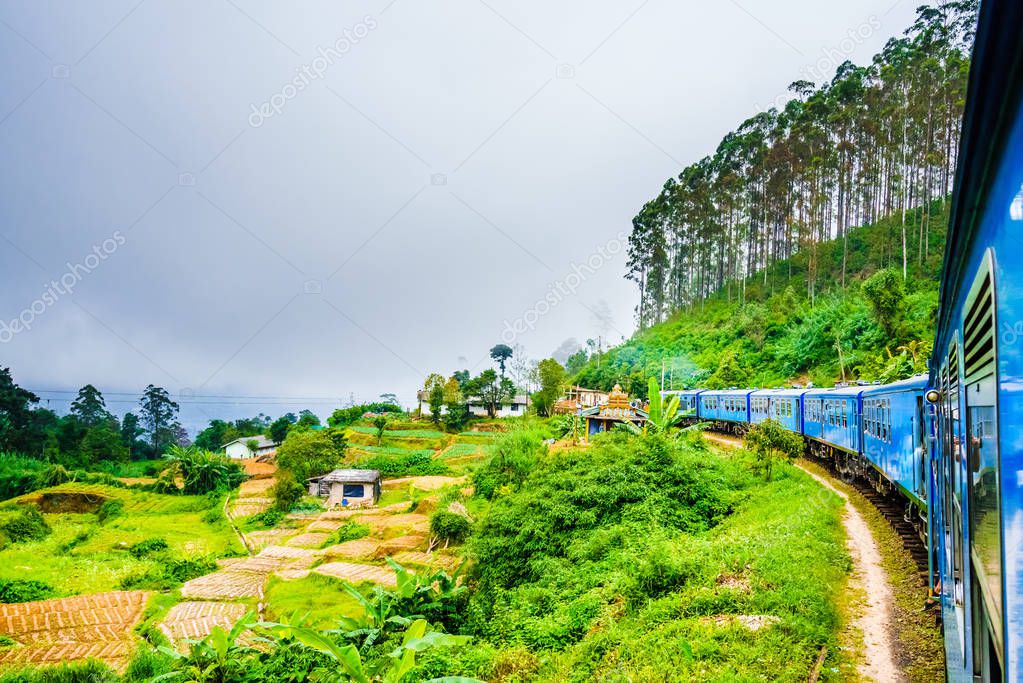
[777,334]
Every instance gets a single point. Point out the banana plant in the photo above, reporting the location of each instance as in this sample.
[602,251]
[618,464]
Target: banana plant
[662,417]
[390,669]
[217,657]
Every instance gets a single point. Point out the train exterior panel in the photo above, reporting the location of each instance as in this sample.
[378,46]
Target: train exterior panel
[832,416]
[782,405]
[895,435]
[730,405]
[977,369]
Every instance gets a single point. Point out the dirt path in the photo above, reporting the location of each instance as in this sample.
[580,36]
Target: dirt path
[869,578]
[874,619]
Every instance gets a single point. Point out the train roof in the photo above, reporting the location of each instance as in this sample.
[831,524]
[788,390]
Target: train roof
[781,392]
[840,392]
[992,103]
[915,383]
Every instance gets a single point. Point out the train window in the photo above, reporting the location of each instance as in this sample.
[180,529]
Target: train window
[981,454]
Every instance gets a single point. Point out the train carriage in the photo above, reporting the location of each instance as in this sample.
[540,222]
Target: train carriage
[832,418]
[895,432]
[728,408]
[782,405]
[977,465]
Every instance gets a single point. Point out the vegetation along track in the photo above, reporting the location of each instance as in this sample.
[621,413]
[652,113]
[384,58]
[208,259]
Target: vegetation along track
[893,508]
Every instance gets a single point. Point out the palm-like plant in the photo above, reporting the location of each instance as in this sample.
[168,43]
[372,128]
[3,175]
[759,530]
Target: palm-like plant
[661,416]
[390,669]
[216,658]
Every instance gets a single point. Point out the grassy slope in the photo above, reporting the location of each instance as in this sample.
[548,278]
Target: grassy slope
[96,563]
[661,605]
[778,335]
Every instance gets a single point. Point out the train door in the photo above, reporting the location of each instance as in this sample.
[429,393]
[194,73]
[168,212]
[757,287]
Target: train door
[982,472]
[952,503]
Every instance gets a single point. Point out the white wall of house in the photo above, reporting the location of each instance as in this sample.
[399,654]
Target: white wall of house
[357,495]
[238,451]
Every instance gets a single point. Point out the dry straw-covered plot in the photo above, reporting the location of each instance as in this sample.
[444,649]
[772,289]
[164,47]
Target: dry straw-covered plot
[68,629]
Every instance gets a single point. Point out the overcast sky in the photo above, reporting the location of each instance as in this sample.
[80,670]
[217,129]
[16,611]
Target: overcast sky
[321,199]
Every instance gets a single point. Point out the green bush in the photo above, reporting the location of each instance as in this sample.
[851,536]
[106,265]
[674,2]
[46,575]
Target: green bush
[89,671]
[286,492]
[267,519]
[204,471]
[515,454]
[146,664]
[350,531]
[169,573]
[148,547]
[24,590]
[414,464]
[27,525]
[109,510]
[450,526]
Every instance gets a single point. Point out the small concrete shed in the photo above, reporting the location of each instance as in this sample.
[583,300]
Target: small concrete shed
[347,488]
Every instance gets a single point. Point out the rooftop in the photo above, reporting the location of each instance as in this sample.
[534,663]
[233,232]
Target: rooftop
[348,477]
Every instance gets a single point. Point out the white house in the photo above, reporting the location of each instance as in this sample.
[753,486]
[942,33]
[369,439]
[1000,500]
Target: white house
[516,406]
[239,448]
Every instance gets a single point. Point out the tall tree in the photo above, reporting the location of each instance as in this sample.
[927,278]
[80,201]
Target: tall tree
[159,418]
[130,433]
[89,407]
[15,411]
[501,353]
[552,383]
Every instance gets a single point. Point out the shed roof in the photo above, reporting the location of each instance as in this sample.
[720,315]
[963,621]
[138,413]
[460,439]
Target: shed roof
[349,477]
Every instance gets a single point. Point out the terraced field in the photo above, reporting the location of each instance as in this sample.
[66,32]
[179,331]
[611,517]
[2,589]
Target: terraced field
[68,629]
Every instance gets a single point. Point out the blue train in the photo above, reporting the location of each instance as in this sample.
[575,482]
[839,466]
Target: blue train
[949,443]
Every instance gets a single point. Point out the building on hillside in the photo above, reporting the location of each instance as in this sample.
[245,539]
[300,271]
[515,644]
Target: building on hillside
[347,488]
[577,398]
[509,408]
[617,410]
[239,449]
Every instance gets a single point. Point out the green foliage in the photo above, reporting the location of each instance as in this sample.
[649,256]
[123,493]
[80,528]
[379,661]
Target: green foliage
[88,671]
[267,519]
[885,292]
[286,491]
[26,525]
[349,531]
[450,527]
[515,454]
[109,510]
[148,547]
[18,474]
[204,471]
[24,590]
[345,417]
[311,453]
[413,464]
[771,443]
[552,383]
[169,572]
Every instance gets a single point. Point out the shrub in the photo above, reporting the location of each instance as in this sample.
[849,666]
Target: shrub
[286,492]
[53,475]
[169,573]
[27,525]
[311,453]
[267,519]
[204,471]
[24,590]
[148,547]
[350,531]
[450,526]
[515,456]
[109,510]
[147,663]
[415,464]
